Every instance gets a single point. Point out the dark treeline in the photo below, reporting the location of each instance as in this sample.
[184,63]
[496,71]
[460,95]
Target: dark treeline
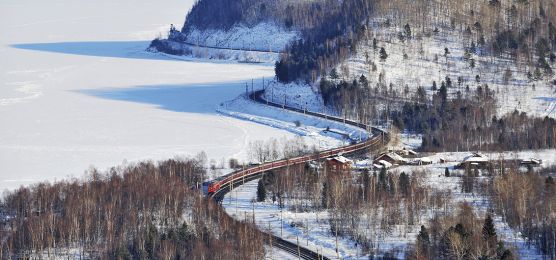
[469,122]
[142,211]
[326,44]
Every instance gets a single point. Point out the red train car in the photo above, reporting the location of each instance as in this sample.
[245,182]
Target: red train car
[210,187]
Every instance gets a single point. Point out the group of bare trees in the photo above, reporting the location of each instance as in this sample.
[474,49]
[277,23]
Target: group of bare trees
[461,235]
[361,207]
[144,210]
[379,204]
[274,149]
[527,202]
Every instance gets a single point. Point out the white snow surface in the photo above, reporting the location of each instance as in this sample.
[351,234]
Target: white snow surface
[78,89]
[296,95]
[263,37]
[329,134]
[240,204]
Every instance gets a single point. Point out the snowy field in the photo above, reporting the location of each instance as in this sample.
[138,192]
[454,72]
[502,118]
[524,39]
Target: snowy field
[77,89]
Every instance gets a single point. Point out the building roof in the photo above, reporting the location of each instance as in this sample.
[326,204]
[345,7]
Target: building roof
[532,161]
[476,158]
[341,159]
[384,163]
[405,151]
[394,156]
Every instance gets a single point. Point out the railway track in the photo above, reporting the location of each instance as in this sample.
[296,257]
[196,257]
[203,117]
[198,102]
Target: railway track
[218,188]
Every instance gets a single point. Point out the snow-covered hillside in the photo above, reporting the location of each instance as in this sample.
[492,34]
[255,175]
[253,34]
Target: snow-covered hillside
[261,37]
[261,43]
[422,59]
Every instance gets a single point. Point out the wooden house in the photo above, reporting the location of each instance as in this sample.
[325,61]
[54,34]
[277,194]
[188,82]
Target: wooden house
[339,164]
[391,158]
[475,161]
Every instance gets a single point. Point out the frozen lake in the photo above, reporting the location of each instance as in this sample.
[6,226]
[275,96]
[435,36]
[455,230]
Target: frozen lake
[77,89]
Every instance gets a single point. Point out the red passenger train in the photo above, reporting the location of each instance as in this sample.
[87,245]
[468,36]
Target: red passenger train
[211,187]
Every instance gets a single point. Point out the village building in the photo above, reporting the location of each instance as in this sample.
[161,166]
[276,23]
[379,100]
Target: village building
[391,158]
[531,162]
[475,161]
[407,153]
[339,164]
[423,161]
[382,164]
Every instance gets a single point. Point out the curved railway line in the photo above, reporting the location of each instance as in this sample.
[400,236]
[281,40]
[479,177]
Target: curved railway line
[218,188]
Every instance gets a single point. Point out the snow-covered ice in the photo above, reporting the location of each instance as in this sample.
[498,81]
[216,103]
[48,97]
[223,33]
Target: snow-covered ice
[78,89]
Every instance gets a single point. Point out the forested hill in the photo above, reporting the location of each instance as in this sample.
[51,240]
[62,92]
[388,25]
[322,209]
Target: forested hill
[328,26]
[330,30]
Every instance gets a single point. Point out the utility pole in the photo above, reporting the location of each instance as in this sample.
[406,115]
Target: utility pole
[307,230]
[270,240]
[281,223]
[298,249]
[253,203]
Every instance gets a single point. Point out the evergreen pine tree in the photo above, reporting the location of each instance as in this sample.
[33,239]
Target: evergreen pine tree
[423,240]
[334,74]
[366,184]
[447,172]
[324,199]
[407,30]
[383,55]
[261,191]
[404,183]
[489,232]
[382,181]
